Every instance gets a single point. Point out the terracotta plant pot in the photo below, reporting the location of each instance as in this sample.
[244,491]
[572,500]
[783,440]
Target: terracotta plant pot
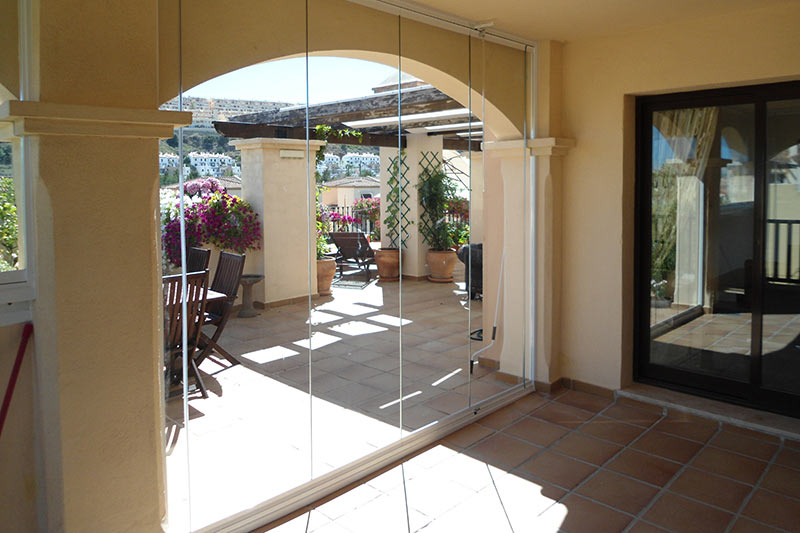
[441,265]
[326,269]
[388,261]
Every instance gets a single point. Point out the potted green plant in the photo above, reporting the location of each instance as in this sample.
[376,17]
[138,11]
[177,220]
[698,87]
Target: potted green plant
[388,258]
[436,191]
[326,266]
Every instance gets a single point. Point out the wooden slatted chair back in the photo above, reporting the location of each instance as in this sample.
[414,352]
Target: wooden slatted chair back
[352,244]
[226,278]
[197,292]
[197,259]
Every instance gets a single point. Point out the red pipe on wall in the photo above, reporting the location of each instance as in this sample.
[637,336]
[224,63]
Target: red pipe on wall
[12,380]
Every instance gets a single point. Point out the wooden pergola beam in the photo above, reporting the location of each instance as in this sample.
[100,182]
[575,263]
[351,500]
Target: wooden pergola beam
[246,130]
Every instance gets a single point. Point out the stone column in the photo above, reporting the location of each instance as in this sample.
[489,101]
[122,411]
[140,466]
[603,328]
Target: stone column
[275,182]
[416,251]
[98,361]
[506,234]
[509,191]
[91,129]
[386,155]
[548,153]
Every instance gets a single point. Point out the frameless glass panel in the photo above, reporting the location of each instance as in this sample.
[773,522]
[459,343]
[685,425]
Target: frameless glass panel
[436,177]
[354,320]
[702,239]
[501,217]
[247,224]
[780,345]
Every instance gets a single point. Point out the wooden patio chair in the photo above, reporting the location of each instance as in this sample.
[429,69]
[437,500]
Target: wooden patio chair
[197,260]
[196,294]
[353,248]
[226,280]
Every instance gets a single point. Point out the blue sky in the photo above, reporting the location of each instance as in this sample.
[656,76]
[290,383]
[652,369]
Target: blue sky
[331,78]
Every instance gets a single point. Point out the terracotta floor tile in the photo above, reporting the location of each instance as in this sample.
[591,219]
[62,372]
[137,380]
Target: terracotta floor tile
[563,415]
[646,468]
[729,464]
[711,489]
[587,448]
[632,415]
[788,457]
[775,510]
[501,418]
[557,469]
[587,402]
[793,444]
[618,491]
[466,437]
[739,443]
[536,431]
[502,450]
[613,430]
[679,514]
[745,525]
[584,516]
[448,402]
[686,429]
[667,446]
[644,527]
[783,480]
[529,403]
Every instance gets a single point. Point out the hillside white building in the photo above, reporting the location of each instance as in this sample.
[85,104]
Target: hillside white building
[208,164]
[167,162]
[361,161]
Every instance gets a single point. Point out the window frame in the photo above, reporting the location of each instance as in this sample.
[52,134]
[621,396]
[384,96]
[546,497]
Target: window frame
[17,287]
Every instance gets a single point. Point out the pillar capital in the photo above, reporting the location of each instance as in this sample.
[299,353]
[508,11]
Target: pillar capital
[544,146]
[550,146]
[44,118]
[271,143]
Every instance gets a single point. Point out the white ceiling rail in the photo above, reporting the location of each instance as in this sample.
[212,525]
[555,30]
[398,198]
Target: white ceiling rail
[434,17]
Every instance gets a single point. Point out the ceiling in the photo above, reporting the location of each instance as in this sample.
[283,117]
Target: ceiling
[570,20]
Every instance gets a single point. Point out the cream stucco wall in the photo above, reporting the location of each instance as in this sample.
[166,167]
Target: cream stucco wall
[17,466]
[263,30]
[598,187]
[9,66]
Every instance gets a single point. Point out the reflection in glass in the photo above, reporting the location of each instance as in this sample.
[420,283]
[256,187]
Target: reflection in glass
[780,345]
[702,239]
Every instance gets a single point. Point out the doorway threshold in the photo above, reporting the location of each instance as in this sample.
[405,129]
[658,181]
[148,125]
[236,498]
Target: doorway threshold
[784,427]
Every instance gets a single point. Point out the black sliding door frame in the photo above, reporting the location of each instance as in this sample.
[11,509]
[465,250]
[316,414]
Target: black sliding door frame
[749,392]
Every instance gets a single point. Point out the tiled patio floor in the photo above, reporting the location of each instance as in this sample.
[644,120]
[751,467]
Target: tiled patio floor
[251,439]
[579,463]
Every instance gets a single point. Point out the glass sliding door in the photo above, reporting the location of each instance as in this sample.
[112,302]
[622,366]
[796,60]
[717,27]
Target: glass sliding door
[780,323]
[718,245]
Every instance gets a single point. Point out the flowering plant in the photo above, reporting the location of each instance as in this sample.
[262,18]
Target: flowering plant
[658,288]
[459,207]
[203,186]
[343,220]
[219,218]
[370,208]
[322,225]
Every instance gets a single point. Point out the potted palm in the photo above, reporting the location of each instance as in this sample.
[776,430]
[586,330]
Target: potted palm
[436,191]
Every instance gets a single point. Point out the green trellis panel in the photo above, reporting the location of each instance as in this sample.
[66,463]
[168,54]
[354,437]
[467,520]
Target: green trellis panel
[428,162]
[398,195]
